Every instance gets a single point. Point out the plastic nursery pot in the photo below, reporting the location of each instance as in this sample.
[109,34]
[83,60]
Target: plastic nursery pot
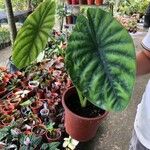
[75,2]
[79,128]
[8,109]
[7,120]
[74,19]
[44,112]
[53,136]
[40,94]
[36,106]
[82,2]
[39,130]
[98,2]
[33,84]
[3,68]
[69,20]
[15,101]
[90,2]
[69,1]
[24,83]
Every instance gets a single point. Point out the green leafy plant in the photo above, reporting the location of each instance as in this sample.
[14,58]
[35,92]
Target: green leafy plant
[50,127]
[50,146]
[4,35]
[100,59]
[129,7]
[29,142]
[33,36]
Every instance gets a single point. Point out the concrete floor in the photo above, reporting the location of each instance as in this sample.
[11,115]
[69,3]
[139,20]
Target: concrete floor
[115,132]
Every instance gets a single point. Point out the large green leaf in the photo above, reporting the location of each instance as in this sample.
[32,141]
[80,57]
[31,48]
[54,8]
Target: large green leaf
[100,59]
[32,37]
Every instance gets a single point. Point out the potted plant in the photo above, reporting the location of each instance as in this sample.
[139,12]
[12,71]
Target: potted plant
[39,130]
[75,2]
[90,2]
[98,2]
[82,2]
[52,134]
[100,59]
[69,1]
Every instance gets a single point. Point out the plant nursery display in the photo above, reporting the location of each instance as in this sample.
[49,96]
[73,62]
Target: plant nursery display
[130,23]
[30,106]
[4,37]
[67,83]
[89,2]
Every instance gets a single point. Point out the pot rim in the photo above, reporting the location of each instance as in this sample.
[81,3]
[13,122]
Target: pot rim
[58,131]
[83,118]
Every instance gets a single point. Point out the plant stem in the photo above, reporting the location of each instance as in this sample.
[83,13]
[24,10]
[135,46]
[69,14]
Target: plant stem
[83,100]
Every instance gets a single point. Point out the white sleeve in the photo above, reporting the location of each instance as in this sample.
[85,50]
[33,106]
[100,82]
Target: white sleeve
[146,41]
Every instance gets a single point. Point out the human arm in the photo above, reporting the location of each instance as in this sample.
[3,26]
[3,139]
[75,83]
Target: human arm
[143,57]
[143,62]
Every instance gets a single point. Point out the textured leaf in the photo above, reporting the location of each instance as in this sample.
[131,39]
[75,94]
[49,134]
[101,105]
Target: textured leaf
[100,59]
[50,146]
[4,132]
[32,37]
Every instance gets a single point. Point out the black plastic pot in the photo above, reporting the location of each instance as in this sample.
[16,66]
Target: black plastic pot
[147,18]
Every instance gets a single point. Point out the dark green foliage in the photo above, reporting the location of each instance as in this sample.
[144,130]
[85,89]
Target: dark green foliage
[50,146]
[100,59]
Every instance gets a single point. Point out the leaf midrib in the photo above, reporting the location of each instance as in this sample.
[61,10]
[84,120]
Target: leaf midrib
[101,55]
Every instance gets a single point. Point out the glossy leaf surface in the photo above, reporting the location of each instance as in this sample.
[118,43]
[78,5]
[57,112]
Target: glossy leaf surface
[32,37]
[100,59]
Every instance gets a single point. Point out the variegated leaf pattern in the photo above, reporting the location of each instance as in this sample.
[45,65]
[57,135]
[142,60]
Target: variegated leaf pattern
[32,37]
[100,59]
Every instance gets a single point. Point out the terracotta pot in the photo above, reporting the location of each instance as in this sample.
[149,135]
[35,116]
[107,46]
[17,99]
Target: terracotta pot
[82,2]
[3,68]
[75,2]
[27,132]
[90,2]
[24,83]
[40,94]
[69,1]
[39,130]
[5,79]
[15,101]
[36,106]
[56,138]
[79,128]
[98,2]
[7,120]
[8,109]
[1,125]
[69,20]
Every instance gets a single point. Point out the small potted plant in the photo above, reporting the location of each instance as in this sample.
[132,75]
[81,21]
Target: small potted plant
[52,134]
[82,2]
[39,130]
[90,2]
[75,2]
[98,2]
[100,59]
